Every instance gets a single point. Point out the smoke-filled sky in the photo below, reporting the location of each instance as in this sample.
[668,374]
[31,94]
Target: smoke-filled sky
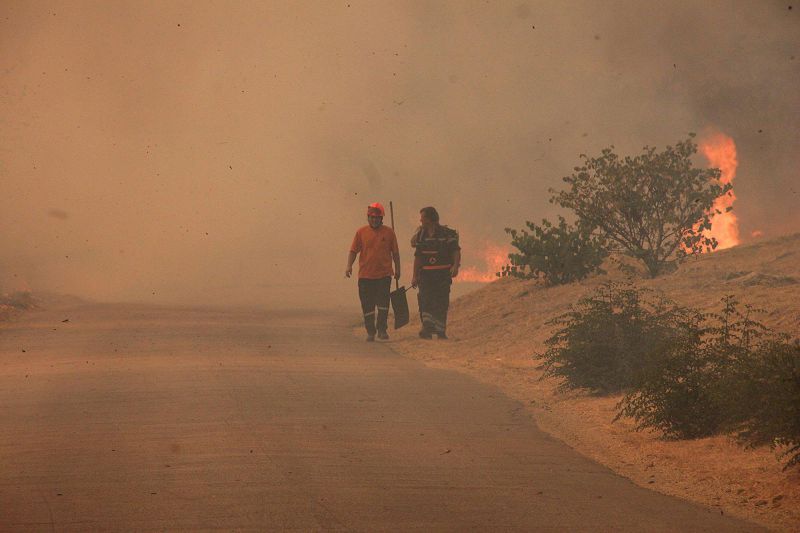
[225,152]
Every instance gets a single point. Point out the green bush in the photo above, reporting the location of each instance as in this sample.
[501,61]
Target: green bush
[556,253]
[614,338]
[686,374]
[687,393]
[677,397]
[764,398]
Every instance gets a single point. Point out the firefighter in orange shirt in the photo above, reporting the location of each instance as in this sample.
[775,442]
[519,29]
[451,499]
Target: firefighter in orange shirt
[376,246]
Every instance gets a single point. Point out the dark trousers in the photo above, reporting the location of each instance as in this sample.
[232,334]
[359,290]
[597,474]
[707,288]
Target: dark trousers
[434,299]
[375,293]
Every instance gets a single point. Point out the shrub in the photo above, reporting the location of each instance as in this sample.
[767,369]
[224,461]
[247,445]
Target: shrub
[683,373]
[612,339]
[557,253]
[764,394]
[676,397]
[759,381]
[687,393]
[743,378]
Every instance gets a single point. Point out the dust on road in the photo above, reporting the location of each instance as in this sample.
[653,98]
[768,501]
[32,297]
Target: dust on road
[132,417]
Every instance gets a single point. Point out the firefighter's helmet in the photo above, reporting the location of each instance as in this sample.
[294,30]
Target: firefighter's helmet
[375,210]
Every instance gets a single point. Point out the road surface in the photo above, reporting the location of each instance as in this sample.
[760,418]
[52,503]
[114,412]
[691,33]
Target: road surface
[122,417]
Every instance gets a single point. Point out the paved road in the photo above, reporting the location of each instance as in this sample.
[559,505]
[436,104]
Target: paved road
[140,418]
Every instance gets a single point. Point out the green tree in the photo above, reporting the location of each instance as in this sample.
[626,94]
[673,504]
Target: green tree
[656,206]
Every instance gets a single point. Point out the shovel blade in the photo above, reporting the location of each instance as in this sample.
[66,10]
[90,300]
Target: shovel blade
[399,307]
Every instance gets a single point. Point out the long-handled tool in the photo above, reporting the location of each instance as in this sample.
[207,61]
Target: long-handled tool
[398,296]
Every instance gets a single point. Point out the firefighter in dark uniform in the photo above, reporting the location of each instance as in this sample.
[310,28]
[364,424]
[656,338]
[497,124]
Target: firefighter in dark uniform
[437,258]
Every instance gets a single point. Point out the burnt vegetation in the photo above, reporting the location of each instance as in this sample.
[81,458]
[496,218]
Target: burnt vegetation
[681,372]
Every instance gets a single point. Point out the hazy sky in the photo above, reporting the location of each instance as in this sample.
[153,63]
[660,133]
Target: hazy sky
[226,151]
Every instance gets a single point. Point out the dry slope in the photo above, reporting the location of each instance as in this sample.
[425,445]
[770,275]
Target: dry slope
[495,330]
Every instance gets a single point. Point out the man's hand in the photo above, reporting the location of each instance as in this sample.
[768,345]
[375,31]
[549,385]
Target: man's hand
[351,258]
[454,271]
[397,274]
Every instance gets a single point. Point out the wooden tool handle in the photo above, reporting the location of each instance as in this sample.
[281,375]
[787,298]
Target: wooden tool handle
[391,216]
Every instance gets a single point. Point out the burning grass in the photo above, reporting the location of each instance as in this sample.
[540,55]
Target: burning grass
[493,257]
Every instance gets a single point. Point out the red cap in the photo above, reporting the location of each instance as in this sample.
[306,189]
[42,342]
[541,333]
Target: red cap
[375,210]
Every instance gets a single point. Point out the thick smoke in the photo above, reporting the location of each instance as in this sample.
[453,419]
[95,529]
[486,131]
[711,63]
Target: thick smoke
[207,152]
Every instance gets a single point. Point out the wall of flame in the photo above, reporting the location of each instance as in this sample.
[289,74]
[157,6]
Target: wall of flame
[720,152]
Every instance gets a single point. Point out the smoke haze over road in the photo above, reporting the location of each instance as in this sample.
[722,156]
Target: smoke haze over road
[214,152]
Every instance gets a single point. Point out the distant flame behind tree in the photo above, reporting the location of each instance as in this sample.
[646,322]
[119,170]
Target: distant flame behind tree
[720,151]
[494,257]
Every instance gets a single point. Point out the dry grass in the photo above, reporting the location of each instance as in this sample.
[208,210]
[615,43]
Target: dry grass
[495,330]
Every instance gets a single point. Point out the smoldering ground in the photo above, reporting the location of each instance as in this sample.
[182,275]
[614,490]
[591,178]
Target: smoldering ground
[225,152]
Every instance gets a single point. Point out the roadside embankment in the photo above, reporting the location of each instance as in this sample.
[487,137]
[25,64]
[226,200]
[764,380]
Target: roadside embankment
[496,330]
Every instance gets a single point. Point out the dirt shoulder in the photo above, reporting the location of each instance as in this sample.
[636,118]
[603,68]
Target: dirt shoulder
[495,331]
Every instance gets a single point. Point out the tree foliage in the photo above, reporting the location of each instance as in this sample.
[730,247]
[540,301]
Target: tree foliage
[655,206]
[556,253]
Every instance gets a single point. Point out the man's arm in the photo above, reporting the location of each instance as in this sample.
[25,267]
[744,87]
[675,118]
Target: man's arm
[456,263]
[351,258]
[455,250]
[417,267]
[396,258]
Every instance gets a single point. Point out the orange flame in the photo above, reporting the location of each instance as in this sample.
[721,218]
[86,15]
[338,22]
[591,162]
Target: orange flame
[494,258]
[720,151]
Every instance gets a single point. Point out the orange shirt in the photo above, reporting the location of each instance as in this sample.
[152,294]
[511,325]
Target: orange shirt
[375,247]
